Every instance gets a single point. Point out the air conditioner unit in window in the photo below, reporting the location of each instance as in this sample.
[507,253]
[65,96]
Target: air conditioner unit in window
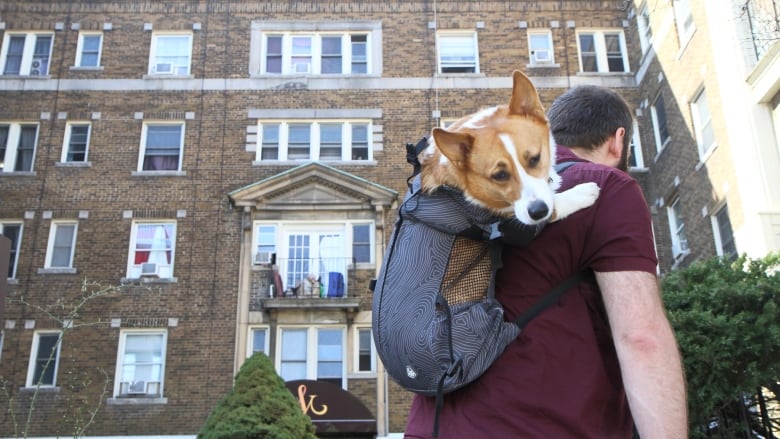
[35,72]
[163,68]
[136,388]
[150,269]
[263,258]
[36,63]
[541,56]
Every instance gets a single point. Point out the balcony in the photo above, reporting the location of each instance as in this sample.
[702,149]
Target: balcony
[320,283]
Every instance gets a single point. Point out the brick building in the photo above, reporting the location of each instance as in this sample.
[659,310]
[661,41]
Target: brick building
[211,155]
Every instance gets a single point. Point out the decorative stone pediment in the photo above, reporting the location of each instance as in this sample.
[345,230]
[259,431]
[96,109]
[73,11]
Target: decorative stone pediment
[314,186]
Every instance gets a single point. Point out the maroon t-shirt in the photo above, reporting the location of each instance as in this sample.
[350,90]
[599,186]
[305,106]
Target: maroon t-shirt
[561,378]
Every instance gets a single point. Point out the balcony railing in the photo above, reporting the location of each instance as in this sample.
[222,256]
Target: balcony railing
[314,277]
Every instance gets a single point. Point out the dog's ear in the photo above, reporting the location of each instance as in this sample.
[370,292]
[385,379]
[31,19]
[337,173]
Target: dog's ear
[455,146]
[525,100]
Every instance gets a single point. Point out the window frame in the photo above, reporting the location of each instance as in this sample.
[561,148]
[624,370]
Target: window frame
[316,52]
[600,50]
[644,27]
[145,144]
[282,146]
[80,50]
[133,269]
[250,346]
[28,53]
[683,20]
[718,232]
[680,245]
[445,34]
[35,353]
[357,348]
[312,357]
[120,364]
[15,247]
[54,228]
[547,34]
[635,148]
[13,143]
[656,115]
[153,55]
[67,143]
[702,127]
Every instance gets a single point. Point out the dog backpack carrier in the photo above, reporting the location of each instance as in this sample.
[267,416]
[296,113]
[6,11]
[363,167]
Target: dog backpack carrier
[436,323]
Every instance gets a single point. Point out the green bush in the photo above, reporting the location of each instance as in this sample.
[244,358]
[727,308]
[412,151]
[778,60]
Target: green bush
[258,407]
[725,315]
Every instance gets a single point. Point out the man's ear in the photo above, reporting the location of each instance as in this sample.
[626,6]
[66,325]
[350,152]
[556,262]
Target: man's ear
[615,143]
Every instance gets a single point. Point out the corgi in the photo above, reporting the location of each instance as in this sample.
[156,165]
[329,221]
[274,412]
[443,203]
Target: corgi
[502,160]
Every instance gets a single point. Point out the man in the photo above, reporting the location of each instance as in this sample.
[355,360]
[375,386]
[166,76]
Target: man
[604,358]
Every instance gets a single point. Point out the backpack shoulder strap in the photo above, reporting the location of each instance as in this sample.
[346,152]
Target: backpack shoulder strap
[560,167]
[549,298]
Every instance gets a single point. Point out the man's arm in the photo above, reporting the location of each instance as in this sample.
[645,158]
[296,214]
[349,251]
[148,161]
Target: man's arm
[647,350]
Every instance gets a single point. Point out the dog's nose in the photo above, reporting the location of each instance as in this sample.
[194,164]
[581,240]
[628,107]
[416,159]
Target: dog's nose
[537,210]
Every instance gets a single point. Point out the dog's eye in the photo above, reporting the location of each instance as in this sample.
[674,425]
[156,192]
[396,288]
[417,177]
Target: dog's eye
[500,176]
[533,161]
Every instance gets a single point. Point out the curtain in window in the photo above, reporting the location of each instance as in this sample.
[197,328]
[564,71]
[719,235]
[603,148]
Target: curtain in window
[26,149]
[142,359]
[63,242]
[163,145]
[13,60]
[153,244]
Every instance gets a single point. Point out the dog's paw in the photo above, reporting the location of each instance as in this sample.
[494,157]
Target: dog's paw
[579,197]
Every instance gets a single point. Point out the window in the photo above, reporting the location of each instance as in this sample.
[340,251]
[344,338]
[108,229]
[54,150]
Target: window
[325,141]
[74,149]
[325,249]
[602,51]
[541,46]
[365,351]
[315,53]
[12,231]
[152,250]
[27,54]
[684,19]
[457,52]
[89,49]
[645,31]
[635,158]
[161,147]
[724,236]
[62,244]
[170,54]
[660,127]
[677,228]
[141,364]
[315,353]
[17,146]
[702,124]
[44,359]
[258,341]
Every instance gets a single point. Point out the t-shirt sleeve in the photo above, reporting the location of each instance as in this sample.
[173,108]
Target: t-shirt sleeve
[621,237]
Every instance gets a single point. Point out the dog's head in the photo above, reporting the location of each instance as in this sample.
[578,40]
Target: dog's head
[501,157]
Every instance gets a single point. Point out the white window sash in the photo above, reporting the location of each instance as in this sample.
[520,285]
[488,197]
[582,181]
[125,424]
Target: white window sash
[465,56]
[535,58]
[13,142]
[144,142]
[159,250]
[306,352]
[357,351]
[314,139]
[127,370]
[600,48]
[316,53]
[28,54]
[81,48]
[174,67]
[51,362]
[55,246]
[66,144]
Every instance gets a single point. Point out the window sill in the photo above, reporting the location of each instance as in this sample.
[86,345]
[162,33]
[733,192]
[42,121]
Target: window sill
[684,44]
[25,76]
[18,174]
[636,170]
[168,77]
[149,280]
[324,162]
[313,75]
[662,149]
[706,156]
[361,375]
[136,401]
[626,74]
[543,66]
[86,69]
[57,271]
[159,173]
[41,388]
[73,164]
[460,75]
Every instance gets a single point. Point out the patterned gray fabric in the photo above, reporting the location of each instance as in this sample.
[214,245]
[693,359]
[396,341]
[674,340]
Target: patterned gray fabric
[423,341]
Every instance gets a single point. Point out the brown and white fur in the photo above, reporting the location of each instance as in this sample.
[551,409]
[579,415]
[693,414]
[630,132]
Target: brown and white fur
[502,160]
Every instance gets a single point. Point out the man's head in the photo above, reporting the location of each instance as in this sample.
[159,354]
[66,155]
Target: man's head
[587,116]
